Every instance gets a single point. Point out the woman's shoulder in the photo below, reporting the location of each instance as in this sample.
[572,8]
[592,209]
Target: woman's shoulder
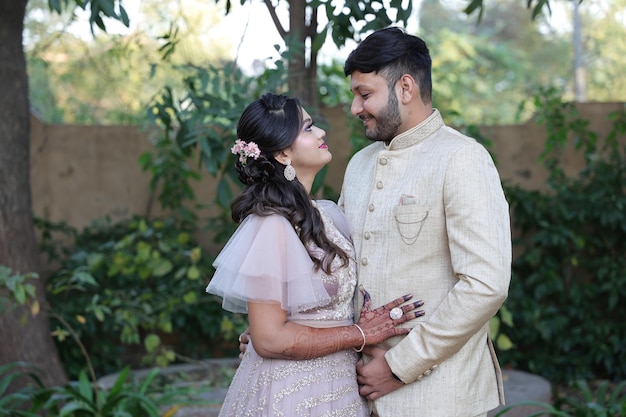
[332,211]
[270,220]
[326,204]
[272,225]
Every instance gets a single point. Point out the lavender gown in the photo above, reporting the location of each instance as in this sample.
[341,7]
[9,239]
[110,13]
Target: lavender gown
[264,261]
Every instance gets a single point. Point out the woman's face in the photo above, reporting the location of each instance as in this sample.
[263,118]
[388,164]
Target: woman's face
[309,153]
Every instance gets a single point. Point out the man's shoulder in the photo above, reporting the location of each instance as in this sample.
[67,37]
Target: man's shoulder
[371,149]
[456,137]
[365,155]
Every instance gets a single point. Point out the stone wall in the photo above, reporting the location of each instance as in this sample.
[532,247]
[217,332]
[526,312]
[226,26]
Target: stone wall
[82,173]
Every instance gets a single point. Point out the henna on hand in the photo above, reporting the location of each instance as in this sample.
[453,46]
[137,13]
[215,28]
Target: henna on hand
[377,323]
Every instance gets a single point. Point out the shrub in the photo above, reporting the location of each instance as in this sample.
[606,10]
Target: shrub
[569,284]
[83,398]
[133,292]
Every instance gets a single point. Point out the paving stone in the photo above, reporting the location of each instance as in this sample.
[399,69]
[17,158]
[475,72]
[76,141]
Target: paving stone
[520,387]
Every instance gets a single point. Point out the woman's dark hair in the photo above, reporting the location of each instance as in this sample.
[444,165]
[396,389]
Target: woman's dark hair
[274,122]
[392,52]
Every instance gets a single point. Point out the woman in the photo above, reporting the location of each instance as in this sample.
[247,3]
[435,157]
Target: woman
[290,267]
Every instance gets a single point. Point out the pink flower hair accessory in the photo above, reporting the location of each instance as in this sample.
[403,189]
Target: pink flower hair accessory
[245,150]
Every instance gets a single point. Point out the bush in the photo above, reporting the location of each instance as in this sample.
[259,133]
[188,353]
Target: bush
[83,398]
[133,293]
[569,284]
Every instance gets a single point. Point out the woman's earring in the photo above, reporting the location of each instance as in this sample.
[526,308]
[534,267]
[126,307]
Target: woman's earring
[289,172]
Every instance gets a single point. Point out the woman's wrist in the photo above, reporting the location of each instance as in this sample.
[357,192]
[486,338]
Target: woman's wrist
[363,335]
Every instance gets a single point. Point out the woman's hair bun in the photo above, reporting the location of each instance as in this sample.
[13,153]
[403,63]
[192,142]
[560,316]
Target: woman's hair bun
[255,170]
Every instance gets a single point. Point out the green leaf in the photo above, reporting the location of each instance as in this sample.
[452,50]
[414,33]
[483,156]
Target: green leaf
[506,316]
[503,342]
[183,238]
[166,326]
[151,342]
[190,297]
[84,387]
[20,294]
[143,251]
[163,267]
[124,16]
[120,381]
[55,5]
[494,325]
[193,272]
[145,160]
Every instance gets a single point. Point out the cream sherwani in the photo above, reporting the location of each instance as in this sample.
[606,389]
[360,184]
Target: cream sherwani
[429,217]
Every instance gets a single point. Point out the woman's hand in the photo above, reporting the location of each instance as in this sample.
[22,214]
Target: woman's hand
[378,324]
[244,339]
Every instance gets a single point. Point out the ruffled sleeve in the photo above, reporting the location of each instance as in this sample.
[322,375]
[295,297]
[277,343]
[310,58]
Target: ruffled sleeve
[265,261]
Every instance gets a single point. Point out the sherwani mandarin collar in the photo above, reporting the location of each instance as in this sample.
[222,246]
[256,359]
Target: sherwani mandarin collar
[418,133]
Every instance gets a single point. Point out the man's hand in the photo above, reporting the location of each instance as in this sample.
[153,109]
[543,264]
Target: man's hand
[244,338]
[375,378]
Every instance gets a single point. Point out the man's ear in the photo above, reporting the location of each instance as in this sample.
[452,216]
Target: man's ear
[408,88]
[282,157]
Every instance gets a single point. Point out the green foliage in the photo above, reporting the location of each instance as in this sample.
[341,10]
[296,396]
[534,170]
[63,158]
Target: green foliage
[609,400]
[568,284]
[537,7]
[15,404]
[170,173]
[498,335]
[83,398]
[98,9]
[18,290]
[135,284]
[202,122]
[483,71]
[111,78]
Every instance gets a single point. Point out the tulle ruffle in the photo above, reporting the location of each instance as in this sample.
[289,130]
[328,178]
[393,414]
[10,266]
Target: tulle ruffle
[265,261]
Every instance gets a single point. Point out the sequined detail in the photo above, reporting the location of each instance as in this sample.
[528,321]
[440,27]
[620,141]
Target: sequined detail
[323,386]
[340,284]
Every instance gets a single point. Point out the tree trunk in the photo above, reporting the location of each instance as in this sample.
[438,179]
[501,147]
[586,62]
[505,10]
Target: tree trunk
[26,340]
[302,69]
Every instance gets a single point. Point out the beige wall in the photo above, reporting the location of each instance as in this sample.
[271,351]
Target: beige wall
[82,173]
[518,148]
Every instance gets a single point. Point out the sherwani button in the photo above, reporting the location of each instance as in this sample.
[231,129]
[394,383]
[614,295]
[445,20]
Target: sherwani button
[383,161]
[367,235]
[379,185]
[364,261]
[370,207]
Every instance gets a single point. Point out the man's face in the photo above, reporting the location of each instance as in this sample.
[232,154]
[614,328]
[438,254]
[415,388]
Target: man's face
[375,105]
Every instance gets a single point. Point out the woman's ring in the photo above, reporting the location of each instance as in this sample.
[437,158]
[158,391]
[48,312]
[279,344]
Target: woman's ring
[396,313]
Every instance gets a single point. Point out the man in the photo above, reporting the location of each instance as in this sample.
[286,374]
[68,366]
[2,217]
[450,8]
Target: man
[429,218]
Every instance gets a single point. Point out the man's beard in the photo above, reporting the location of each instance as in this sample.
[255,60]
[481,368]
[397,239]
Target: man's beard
[387,123]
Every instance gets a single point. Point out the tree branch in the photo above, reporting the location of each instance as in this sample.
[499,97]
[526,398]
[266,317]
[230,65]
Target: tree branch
[277,24]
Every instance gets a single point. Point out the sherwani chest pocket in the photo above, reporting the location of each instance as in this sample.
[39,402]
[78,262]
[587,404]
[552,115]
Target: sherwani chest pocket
[409,220]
